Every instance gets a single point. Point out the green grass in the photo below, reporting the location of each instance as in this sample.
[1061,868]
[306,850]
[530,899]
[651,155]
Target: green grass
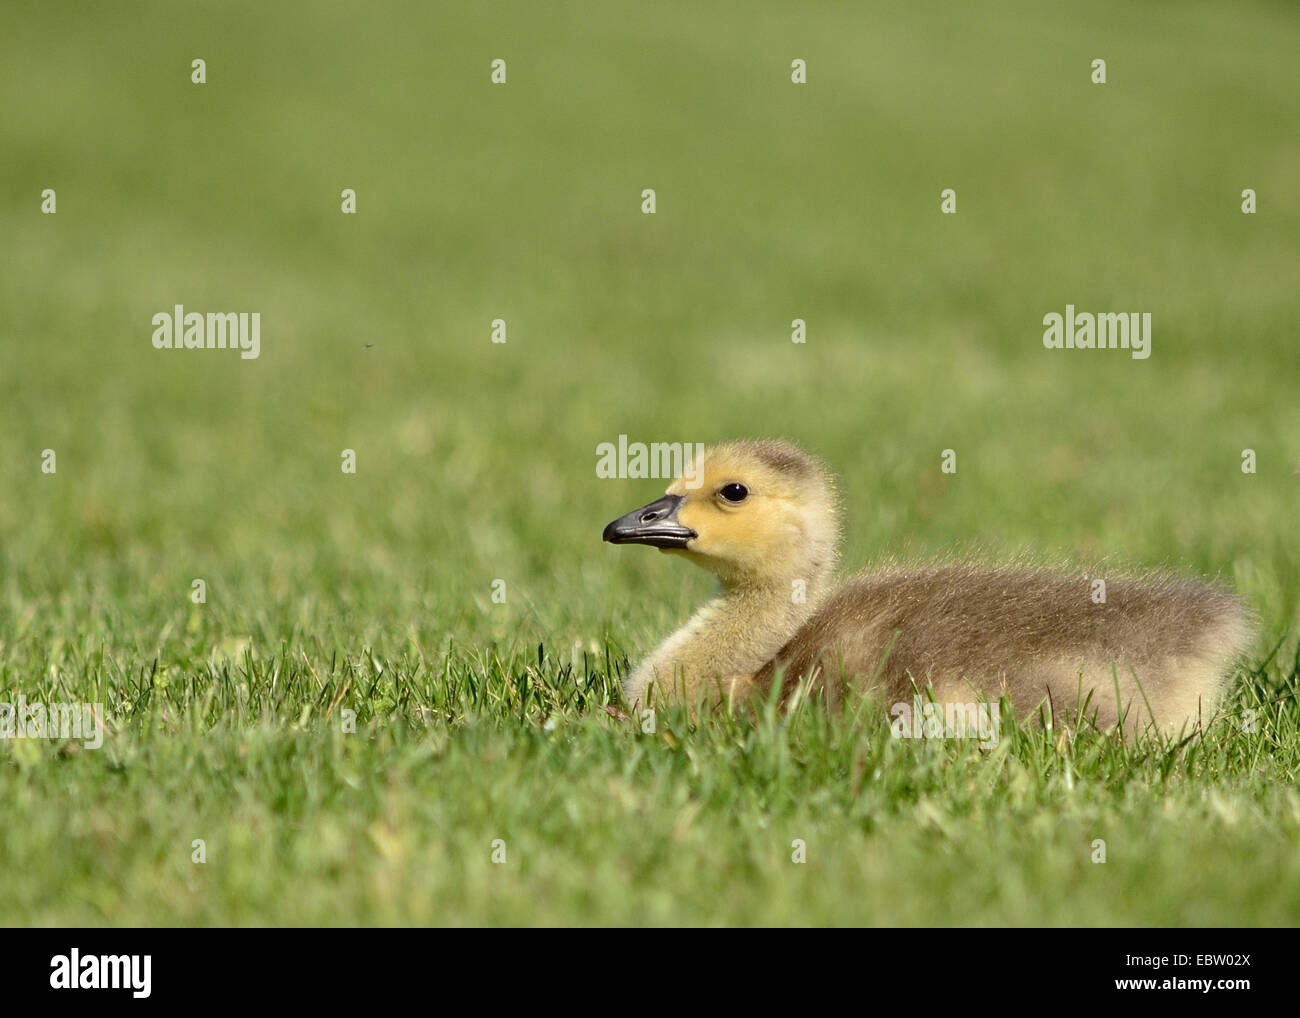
[476,461]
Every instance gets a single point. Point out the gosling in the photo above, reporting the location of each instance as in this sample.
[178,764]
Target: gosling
[764,518]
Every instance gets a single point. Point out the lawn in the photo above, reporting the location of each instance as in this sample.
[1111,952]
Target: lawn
[387,707]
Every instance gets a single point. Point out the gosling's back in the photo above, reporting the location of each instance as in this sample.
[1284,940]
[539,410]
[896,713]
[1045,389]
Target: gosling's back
[1165,642]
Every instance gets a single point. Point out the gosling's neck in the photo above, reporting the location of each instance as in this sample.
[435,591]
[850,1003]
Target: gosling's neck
[728,639]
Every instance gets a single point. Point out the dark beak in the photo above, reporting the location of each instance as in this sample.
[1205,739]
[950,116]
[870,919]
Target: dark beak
[654,524]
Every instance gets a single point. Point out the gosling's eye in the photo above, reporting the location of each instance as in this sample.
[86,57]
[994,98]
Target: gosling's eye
[734,492]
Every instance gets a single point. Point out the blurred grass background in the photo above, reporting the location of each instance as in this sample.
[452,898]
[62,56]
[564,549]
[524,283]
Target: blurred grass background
[476,461]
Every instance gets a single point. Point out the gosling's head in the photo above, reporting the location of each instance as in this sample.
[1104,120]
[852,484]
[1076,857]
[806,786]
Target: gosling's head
[755,512]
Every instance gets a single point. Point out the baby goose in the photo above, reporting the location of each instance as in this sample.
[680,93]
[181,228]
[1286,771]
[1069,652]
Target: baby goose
[764,520]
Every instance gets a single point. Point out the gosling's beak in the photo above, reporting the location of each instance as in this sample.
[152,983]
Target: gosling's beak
[654,524]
